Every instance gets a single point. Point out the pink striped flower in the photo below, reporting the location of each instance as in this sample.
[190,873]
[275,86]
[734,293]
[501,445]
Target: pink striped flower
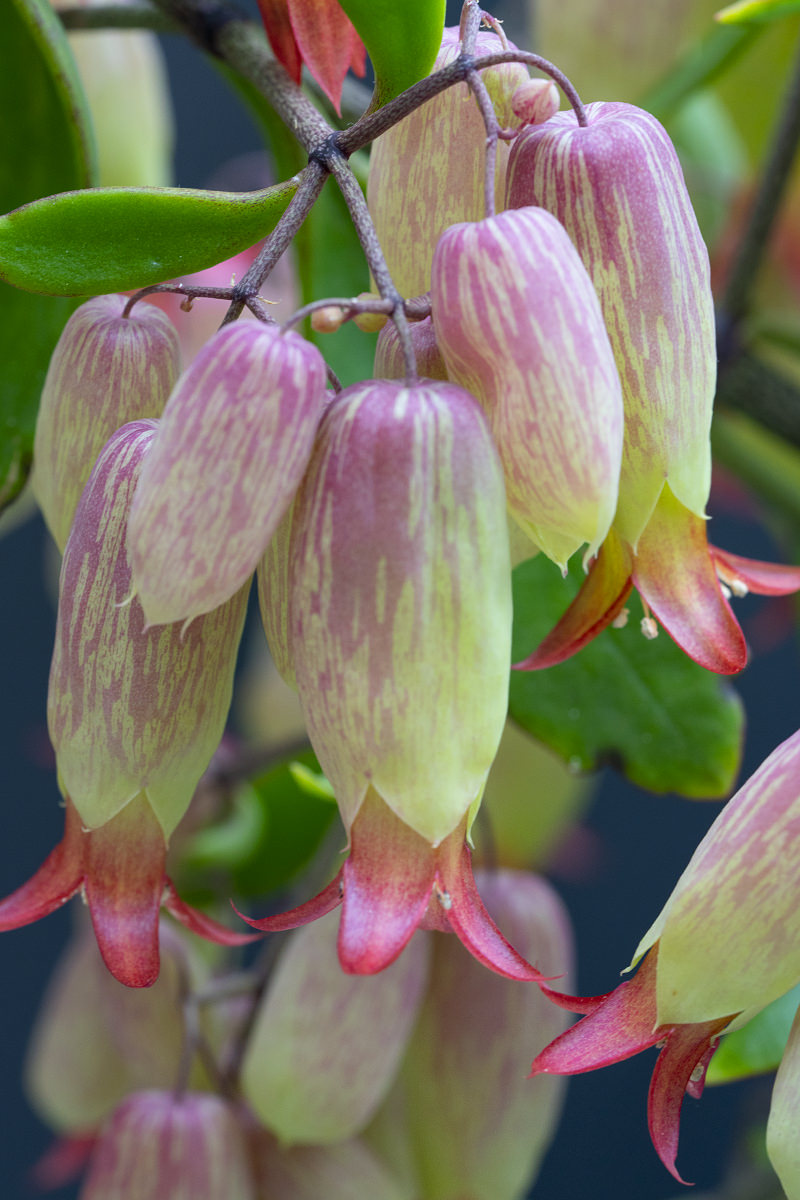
[427,172]
[105,370]
[191,1147]
[617,187]
[519,325]
[400,632]
[726,944]
[230,452]
[134,715]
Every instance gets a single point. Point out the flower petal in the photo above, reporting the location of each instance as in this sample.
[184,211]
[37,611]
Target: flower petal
[324,902]
[124,885]
[275,15]
[674,572]
[55,882]
[763,578]
[327,41]
[200,923]
[600,600]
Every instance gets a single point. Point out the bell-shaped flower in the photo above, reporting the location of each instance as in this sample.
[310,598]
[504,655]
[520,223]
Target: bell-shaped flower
[617,187]
[191,1147]
[134,715]
[94,1041]
[400,612]
[317,33]
[229,454]
[725,945]
[519,325]
[427,172]
[465,1045]
[106,370]
[326,1046]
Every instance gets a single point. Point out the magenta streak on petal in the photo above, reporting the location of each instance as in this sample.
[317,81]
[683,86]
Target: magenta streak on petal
[675,575]
[204,926]
[124,885]
[763,578]
[687,1046]
[620,1027]
[323,903]
[469,919]
[388,881]
[600,599]
[56,881]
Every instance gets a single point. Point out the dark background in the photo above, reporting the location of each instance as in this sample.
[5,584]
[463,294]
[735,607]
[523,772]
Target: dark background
[602,1149]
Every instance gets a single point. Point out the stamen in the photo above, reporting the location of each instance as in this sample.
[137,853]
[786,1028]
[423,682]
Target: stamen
[443,897]
[649,628]
[621,620]
[726,591]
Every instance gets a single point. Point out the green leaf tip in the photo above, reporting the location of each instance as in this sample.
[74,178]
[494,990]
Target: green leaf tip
[402,40]
[102,240]
[746,11]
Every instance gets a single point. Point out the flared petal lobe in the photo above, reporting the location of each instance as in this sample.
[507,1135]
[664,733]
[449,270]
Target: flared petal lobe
[105,371]
[427,172]
[617,187]
[131,709]
[230,452]
[519,325]
[736,903]
[401,601]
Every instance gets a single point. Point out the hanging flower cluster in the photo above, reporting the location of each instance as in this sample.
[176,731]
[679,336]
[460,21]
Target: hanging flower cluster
[553,381]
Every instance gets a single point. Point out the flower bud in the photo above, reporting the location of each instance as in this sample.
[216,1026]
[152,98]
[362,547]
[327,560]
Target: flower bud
[326,1045]
[95,1040]
[535,101]
[188,1148]
[427,172]
[736,903]
[472,1124]
[105,370]
[230,452]
[389,361]
[519,325]
[617,186]
[131,710]
[400,601]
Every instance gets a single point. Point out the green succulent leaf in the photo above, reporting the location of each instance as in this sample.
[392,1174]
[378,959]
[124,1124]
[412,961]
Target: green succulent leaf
[47,145]
[272,830]
[757,10]
[642,706]
[759,1045]
[112,239]
[402,40]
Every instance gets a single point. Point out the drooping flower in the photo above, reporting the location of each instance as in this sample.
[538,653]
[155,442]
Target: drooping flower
[617,187]
[326,1046]
[134,716]
[519,326]
[106,370]
[227,459]
[726,944]
[191,1147]
[317,33]
[400,614]
[461,1119]
[427,172]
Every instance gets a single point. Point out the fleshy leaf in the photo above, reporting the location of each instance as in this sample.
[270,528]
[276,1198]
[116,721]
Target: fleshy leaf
[114,239]
[402,40]
[673,726]
[46,140]
[756,10]
[758,1046]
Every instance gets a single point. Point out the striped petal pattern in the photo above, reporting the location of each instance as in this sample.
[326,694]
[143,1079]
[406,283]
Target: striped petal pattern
[230,452]
[617,187]
[401,601]
[519,325]
[729,935]
[105,371]
[427,172]
[131,709]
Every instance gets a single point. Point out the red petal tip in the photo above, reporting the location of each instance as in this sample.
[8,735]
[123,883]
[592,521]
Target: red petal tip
[201,924]
[323,903]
